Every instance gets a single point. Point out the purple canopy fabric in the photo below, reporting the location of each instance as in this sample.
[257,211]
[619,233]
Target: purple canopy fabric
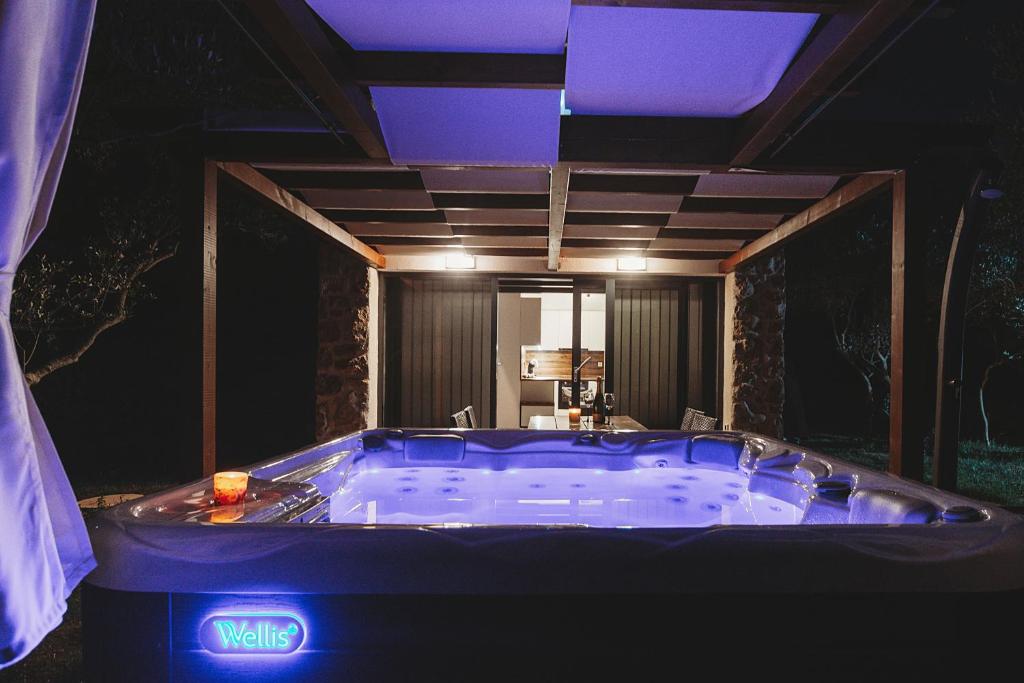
[536,26]
[44,547]
[676,62]
[473,126]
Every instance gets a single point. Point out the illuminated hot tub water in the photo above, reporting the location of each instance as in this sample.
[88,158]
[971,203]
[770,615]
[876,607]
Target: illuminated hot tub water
[646,497]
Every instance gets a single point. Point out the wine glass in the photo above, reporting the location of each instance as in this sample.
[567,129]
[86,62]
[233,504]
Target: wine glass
[609,405]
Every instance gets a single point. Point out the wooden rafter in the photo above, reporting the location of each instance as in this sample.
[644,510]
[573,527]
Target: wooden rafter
[255,181]
[624,145]
[850,195]
[460,70]
[294,28]
[845,36]
[556,212]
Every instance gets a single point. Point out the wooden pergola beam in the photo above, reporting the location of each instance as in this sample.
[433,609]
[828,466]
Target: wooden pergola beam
[294,28]
[845,36]
[848,196]
[805,6]
[263,186]
[556,212]
[459,70]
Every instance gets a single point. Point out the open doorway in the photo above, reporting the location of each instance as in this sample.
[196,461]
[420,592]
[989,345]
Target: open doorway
[549,331]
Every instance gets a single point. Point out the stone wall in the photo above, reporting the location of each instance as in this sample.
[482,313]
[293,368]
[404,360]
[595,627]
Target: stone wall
[759,325]
[342,372]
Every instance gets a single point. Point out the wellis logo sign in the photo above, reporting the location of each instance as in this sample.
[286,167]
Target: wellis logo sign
[252,633]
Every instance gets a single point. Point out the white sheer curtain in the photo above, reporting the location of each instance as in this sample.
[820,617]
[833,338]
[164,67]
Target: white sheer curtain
[44,548]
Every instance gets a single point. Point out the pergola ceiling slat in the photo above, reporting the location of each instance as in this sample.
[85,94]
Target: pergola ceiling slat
[499,230]
[621,219]
[605,243]
[711,233]
[379,200]
[346,180]
[696,255]
[754,205]
[400,229]
[676,244]
[486,180]
[501,251]
[498,216]
[412,241]
[465,200]
[764,185]
[362,216]
[623,202]
[724,220]
[633,183]
[612,232]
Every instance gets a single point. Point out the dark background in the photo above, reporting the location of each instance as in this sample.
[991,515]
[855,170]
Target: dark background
[123,414]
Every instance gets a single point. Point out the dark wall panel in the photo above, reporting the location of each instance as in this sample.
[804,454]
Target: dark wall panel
[440,338]
[666,350]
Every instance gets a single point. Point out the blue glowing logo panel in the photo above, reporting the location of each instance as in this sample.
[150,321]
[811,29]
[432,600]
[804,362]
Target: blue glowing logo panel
[252,633]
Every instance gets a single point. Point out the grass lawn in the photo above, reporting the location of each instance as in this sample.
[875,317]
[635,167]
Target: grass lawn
[993,474]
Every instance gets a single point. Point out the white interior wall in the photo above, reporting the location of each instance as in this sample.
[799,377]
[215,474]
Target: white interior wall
[509,371]
[556,321]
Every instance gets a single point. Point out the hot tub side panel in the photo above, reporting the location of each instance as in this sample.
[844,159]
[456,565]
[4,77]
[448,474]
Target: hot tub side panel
[159,636]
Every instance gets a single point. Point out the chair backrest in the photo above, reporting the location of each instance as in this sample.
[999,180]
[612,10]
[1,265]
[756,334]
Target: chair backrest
[460,420]
[704,423]
[470,416]
[688,416]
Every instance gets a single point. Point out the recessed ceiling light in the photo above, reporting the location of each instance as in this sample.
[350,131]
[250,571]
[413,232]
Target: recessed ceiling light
[632,263]
[460,262]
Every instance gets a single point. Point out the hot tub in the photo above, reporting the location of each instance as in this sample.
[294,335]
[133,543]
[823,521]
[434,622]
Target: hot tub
[425,553]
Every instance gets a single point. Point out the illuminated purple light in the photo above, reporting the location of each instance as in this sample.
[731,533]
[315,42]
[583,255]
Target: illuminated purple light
[522,26]
[638,497]
[479,126]
[675,62]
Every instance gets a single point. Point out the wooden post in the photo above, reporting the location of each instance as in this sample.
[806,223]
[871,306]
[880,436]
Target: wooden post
[907,404]
[209,303]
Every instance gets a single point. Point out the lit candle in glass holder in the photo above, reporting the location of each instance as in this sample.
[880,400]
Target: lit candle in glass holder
[574,416]
[229,487]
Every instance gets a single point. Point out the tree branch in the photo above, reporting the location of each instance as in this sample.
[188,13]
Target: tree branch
[120,314]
